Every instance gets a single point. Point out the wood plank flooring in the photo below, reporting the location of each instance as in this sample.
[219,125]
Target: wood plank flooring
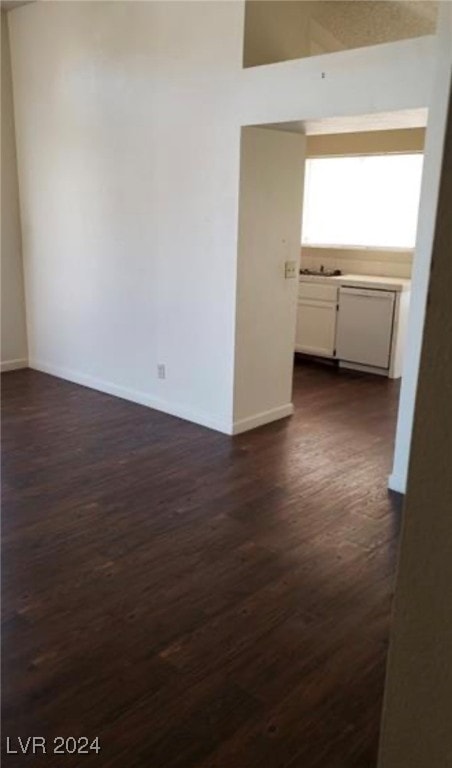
[196,600]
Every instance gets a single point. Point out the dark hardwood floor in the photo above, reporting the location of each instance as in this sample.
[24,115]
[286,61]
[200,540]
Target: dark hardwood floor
[195,600]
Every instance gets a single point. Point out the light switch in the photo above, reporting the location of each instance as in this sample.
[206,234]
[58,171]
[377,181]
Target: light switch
[290,269]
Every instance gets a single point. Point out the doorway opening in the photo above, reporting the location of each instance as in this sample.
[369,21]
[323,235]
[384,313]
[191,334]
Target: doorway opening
[337,297]
[360,211]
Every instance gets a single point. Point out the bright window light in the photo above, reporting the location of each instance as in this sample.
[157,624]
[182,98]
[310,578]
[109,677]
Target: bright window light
[369,201]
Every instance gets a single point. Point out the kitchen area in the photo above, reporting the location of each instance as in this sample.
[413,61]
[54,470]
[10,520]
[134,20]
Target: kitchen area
[357,321]
[360,212]
[327,235]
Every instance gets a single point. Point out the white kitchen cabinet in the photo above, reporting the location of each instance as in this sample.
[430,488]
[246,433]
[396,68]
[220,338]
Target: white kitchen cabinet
[316,319]
[316,328]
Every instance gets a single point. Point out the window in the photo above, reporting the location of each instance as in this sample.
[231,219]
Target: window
[368,201]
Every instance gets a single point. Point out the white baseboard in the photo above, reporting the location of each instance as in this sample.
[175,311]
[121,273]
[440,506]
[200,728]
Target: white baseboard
[14,365]
[133,395]
[259,419]
[396,483]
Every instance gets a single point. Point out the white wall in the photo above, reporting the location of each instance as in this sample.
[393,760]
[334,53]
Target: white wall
[271,197]
[424,245]
[14,335]
[128,160]
[128,119]
[383,78]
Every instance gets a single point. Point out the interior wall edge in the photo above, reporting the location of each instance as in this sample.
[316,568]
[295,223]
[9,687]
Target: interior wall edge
[14,337]
[434,147]
[397,483]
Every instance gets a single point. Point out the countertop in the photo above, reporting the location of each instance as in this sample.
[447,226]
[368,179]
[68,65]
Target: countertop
[362,281]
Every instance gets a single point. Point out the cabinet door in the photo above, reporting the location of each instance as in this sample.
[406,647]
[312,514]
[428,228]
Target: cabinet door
[316,328]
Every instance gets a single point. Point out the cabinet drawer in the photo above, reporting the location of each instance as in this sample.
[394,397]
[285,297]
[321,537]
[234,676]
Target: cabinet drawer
[317,291]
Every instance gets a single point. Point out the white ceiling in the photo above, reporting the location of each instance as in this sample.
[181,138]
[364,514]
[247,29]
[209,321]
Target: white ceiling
[382,121]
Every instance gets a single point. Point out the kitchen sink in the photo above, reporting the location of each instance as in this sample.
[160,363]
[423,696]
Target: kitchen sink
[321,272]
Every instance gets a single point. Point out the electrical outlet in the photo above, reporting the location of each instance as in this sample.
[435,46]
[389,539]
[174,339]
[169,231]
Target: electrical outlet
[290,269]
[161,371]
